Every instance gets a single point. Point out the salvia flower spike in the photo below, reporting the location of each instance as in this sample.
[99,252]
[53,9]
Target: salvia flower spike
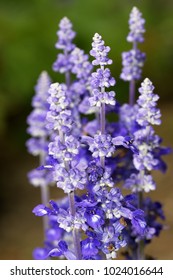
[88,157]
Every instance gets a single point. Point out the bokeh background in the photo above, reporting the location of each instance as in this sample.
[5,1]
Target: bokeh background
[27,39]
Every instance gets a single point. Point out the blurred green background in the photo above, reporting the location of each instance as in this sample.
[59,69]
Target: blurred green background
[28,35]
[27,39]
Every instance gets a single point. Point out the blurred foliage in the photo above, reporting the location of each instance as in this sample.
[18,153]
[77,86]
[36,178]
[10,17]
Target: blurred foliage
[28,34]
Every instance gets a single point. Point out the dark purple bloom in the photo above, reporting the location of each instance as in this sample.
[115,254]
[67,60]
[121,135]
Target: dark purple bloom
[41,210]
[90,247]
[40,253]
[94,218]
[138,222]
[55,233]
[95,171]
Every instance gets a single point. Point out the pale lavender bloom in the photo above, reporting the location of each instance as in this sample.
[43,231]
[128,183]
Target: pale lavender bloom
[36,146]
[101,145]
[70,180]
[65,38]
[91,127]
[104,145]
[100,51]
[105,180]
[102,78]
[62,64]
[65,151]
[85,107]
[136,25]
[132,62]
[41,91]
[153,140]
[140,182]
[80,64]
[58,99]
[145,160]
[127,116]
[98,98]
[65,35]
[69,222]
[59,115]
[65,220]
[63,121]
[148,114]
[147,142]
[39,177]
[36,122]
[37,119]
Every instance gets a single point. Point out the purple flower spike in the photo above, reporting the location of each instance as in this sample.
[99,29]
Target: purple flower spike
[88,158]
[70,180]
[136,25]
[41,89]
[58,97]
[148,114]
[102,146]
[65,35]
[102,78]
[65,38]
[100,51]
[58,116]
[139,182]
[64,151]
[132,62]
[80,64]
[37,119]
[98,98]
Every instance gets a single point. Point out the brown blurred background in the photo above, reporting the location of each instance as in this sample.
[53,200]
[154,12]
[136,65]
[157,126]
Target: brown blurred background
[27,38]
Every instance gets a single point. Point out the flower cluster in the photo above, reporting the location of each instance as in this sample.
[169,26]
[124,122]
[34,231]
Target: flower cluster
[102,78]
[134,59]
[89,157]
[148,114]
[136,25]
[37,119]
